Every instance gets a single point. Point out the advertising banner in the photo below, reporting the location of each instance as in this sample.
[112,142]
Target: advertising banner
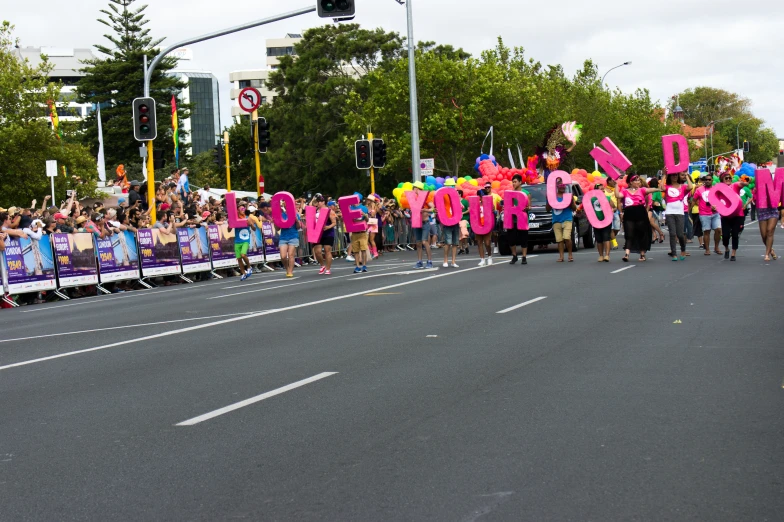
[222,246]
[29,264]
[194,249]
[256,248]
[75,258]
[271,250]
[159,252]
[118,257]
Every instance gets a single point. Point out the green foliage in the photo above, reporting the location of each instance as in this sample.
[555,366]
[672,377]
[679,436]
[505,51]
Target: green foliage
[114,81]
[26,139]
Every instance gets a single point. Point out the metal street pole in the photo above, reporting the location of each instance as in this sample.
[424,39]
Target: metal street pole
[254,117]
[737,132]
[228,167]
[412,89]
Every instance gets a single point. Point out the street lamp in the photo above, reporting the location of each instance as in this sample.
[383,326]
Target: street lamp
[712,125]
[737,132]
[608,72]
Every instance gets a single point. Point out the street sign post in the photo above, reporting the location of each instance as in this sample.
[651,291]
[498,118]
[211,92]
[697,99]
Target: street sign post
[249,99]
[426,167]
[51,172]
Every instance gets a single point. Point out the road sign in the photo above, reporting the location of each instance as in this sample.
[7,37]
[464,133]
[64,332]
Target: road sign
[51,168]
[425,172]
[428,164]
[249,99]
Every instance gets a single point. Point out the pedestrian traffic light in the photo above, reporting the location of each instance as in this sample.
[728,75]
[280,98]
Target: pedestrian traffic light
[157,159]
[216,155]
[363,154]
[264,135]
[379,154]
[144,127]
[746,146]
[336,8]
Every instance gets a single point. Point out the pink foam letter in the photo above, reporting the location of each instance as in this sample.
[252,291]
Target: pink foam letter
[315,226]
[614,162]
[231,212]
[770,189]
[724,199]
[277,212]
[416,201]
[442,207]
[552,194]
[351,218]
[476,221]
[669,157]
[515,204]
[590,211]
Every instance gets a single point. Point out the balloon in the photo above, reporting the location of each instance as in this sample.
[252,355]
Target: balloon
[397,192]
[473,182]
[496,185]
[408,186]
[403,201]
[460,181]
[400,185]
[468,178]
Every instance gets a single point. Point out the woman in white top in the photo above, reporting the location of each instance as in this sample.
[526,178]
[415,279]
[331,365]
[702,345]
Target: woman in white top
[674,194]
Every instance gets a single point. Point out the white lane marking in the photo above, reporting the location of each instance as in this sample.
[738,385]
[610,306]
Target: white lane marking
[515,307]
[432,336]
[622,269]
[253,400]
[279,280]
[251,315]
[121,327]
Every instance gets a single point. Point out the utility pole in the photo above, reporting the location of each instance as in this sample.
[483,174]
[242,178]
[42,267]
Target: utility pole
[412,89]
[228,167]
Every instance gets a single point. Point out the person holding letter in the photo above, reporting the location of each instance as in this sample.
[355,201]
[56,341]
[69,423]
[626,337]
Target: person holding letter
[563,221]
[709,216]
[731,226]
[516,237]
[636,225]
[674,194]
[603,236]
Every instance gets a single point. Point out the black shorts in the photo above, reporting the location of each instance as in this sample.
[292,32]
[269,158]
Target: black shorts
[326,241]
[603,235]
[517,237]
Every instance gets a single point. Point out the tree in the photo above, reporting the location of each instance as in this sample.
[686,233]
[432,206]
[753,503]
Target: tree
[26,139]
[116,79]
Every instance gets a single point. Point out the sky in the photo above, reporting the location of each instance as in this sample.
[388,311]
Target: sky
[672,44]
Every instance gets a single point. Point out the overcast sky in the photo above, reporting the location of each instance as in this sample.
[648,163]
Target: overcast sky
[673,44]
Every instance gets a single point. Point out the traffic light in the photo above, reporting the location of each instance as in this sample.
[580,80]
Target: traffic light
[216,155]
[379,153]
[746,146]
[157,159]
[264,135]
[336,8]
[362,149]
[144,127]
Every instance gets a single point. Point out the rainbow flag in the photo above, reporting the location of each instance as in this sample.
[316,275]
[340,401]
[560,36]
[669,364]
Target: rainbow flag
[55,120]
[176,135]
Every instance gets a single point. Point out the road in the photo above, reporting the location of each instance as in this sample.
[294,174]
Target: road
[649,393]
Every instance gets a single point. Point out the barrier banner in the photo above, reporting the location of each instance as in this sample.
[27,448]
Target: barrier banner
[194,249]
[75,258]
[159,252]
[222,246]
[271,249]
[256,248]
[29,264]
[118,257]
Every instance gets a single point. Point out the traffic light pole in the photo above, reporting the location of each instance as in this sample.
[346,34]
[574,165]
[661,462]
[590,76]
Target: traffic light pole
[228,168]
[151,183]
[255,122]
[372,170]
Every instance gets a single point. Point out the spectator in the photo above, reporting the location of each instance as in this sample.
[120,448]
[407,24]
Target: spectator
[134,198]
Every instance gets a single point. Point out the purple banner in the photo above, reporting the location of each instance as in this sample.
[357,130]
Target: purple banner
[159,252]
[75,258]
[194,249]
[30,265]
[222,246]
[118,257]
[271,249]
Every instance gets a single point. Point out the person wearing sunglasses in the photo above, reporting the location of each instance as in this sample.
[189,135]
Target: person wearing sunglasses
[732,226]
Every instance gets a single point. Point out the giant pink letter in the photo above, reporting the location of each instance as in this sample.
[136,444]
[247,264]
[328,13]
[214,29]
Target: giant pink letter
[277,212]
[515,204]
[590,211]
[231,212]
[416,201]
[683,153]
[724,199]
[476,220]
[614,162]
[443,210]
[350,216]
[770,189]
[552,194]
[314,225]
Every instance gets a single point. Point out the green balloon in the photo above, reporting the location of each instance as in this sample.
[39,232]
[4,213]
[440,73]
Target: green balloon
[400,185]
[467,178]
[715,179]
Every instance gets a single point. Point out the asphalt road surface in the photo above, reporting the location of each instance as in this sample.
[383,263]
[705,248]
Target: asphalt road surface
[640,391]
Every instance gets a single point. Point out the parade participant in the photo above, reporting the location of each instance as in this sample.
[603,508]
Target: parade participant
[709,216]
[602,236]
[484,240]
[465,224]
[451,236]
[327,239]
[674,194]
[514,236]
[609,191]
[688,229]
[636,225]
[732,226]
[372,225]
[563,221]
[767,217]
[242,244]
[359,240]
[422,235]
[656,207]
[288,242]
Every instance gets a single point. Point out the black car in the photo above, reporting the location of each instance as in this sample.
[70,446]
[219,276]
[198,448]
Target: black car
[540,221]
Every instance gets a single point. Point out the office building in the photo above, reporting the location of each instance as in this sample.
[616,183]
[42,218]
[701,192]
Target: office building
[202,128]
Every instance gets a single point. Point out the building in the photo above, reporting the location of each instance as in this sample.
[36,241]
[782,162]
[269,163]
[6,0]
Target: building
[67,65]
[201,130]
[276,47]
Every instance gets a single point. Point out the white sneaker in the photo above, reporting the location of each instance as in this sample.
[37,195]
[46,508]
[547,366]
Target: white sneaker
[495,251]
[445,265]
[350,259]
[455,265]
[489,261]
[481,262]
